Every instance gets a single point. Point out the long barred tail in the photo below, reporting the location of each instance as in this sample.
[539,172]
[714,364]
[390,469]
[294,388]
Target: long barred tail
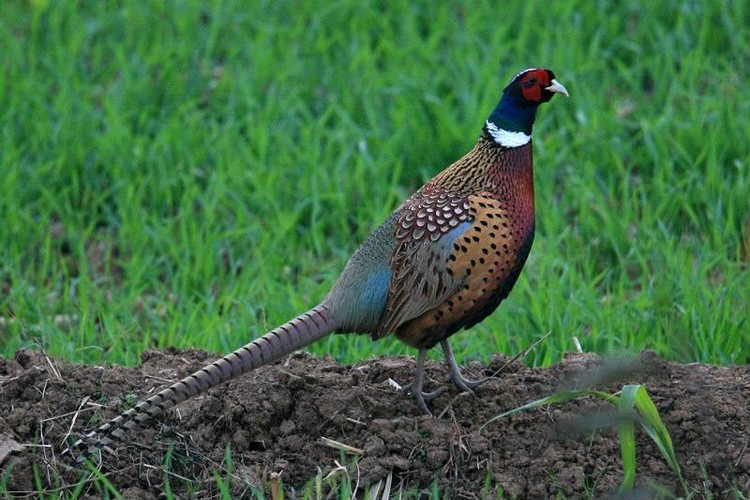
[282,341]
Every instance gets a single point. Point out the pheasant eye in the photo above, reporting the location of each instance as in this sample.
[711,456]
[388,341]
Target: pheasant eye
[532,79]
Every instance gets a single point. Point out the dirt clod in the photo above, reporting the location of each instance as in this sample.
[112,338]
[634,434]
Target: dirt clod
[273,421]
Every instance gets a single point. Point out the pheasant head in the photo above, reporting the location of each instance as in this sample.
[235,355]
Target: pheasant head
[511,122]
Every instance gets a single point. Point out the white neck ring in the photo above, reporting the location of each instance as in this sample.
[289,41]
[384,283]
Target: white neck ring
[506,138]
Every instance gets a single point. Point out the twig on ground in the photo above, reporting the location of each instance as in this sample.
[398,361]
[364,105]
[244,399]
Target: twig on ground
[521,354]
[331,443]
[73,421]
[53,368]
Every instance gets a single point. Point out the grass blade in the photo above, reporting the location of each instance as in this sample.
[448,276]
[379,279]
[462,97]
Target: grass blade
[221,484]
[560,397]
[167,464]
[103,481]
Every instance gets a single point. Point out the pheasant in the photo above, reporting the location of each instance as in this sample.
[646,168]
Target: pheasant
[443,261]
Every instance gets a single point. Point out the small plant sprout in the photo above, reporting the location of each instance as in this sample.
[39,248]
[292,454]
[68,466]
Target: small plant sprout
[634,406]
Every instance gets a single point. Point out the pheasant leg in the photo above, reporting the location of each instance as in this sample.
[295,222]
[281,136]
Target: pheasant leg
[415,388]
[455,372]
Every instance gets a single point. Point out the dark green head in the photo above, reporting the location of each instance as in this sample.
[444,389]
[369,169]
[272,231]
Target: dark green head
[516,111]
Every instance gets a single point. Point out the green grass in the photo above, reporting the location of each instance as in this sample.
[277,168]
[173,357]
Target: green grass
[192,174]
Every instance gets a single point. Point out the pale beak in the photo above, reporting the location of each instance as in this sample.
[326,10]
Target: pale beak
[557,88]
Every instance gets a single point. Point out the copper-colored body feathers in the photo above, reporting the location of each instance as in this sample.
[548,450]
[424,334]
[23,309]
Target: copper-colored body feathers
[443,261]
[489,196]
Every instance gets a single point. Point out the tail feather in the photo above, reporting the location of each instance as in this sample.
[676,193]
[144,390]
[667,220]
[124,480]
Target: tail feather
[279,342]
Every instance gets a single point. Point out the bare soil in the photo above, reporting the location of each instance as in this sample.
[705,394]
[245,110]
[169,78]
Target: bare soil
[276,420]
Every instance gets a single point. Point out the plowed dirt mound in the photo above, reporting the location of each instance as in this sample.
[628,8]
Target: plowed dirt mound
[275,420]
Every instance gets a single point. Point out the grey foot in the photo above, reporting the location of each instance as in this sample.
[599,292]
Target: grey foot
[415,388]
[455,375]
[421,397]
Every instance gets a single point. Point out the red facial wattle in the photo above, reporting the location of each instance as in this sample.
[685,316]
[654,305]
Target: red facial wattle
[532,84]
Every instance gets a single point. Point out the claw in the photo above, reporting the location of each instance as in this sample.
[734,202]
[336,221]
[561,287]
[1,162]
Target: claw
[455,372]
[428,396]
[415,388]
[421,397]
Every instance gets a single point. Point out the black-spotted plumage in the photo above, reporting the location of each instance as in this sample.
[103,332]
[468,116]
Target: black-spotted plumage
[441,262]
[486,258]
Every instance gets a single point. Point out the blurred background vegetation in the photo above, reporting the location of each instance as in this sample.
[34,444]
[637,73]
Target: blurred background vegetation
[192,173]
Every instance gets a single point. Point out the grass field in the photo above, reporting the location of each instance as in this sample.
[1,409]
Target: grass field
[185,174]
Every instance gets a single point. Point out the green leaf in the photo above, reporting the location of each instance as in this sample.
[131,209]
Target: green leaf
[627,439]
[634,405]
[627,450]
[654,427]
[560,397]
[610,398]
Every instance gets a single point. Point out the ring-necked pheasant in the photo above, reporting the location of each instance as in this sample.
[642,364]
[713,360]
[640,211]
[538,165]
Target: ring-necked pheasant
[443,261]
